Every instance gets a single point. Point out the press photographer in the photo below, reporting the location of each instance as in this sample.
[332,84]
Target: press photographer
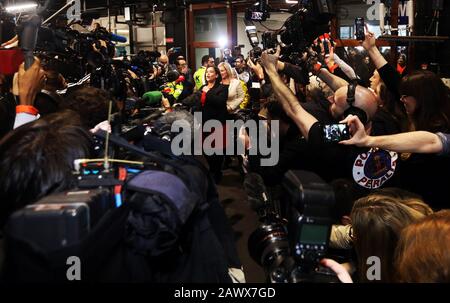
[295,37]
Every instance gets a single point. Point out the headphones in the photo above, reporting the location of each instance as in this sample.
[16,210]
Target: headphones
[353,110]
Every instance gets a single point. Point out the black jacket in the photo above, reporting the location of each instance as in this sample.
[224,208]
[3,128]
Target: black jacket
[215,106]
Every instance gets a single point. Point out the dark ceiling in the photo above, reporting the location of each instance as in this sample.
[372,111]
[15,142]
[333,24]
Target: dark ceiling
[141,5]
[116,6]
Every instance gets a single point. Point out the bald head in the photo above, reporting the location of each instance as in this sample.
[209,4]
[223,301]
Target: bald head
[364,99]
[163,59]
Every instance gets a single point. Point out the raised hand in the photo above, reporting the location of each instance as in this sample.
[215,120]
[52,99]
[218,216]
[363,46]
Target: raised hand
[30,81]
[369,41]
[257,68]
[270,61]
[359,135]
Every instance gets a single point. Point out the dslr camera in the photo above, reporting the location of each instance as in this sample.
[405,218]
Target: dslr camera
[291,242]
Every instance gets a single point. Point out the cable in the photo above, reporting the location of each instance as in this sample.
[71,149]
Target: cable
[78,162]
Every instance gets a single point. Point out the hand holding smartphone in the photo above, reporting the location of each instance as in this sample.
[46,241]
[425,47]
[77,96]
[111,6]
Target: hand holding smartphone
[334,133]
[359,29]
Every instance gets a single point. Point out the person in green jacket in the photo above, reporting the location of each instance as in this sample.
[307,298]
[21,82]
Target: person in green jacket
[199,75]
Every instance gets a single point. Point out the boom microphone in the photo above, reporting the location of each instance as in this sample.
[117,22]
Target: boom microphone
[117,38]
[28,38]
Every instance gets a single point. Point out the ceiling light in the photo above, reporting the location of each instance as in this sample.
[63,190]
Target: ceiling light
[21,7]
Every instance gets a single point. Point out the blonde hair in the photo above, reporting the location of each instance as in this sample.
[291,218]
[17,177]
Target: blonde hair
[228,68]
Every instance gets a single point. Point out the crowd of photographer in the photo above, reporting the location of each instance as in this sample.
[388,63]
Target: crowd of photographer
[52,117]
[379,143]
[381,218]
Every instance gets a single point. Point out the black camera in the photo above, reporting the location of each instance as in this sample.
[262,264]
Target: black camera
[75,213]
[297,35]
[269,39]
[291,242]
[255,54]
[258,12]
[66,218]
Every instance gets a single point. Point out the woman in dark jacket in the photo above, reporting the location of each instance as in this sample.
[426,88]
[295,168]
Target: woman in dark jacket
[213,97]
[211,101]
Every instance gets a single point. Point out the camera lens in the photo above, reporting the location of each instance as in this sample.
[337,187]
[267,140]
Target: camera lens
[268,245]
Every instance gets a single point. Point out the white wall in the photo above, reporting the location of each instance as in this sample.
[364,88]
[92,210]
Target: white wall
[143,35]
[210,27]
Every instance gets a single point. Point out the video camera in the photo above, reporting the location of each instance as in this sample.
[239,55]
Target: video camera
[69,216]
[258,12]
[292,240]
[309,20]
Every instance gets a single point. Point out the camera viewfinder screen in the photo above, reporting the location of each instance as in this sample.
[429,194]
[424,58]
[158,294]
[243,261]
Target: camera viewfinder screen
[314,234]
[258,16]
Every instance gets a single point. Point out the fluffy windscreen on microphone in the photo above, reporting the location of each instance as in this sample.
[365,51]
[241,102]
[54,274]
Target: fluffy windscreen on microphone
[256,191]
[172,75]
[117,38]
[28,38]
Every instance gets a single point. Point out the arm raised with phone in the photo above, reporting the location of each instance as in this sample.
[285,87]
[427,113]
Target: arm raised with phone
[410,142]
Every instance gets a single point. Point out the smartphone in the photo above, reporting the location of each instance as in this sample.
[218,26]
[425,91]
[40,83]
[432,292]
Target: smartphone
[326,49]
[359,29]
[333,133]
[324,41]
[177,49]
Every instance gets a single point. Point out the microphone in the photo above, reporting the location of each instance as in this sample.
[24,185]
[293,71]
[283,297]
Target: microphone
[28,39]
[257,193]
[117,38]
[180,79]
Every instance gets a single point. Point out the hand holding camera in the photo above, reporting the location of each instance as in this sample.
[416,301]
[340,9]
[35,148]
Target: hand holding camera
[30,82]
[270,61]
[257,68]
